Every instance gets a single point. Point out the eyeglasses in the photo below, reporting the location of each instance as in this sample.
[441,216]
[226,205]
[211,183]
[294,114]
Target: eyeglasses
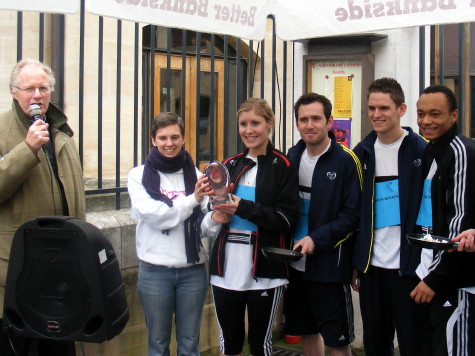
[31,90]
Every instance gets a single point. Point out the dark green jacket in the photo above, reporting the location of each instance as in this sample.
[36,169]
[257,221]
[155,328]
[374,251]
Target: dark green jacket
[27,187]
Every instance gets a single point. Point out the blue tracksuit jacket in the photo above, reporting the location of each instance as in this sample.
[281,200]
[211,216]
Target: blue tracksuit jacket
[411,181]
[333,212]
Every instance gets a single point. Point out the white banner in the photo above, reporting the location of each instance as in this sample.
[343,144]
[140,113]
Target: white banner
[54,6]
[295,19]
[240,18]
[306,18]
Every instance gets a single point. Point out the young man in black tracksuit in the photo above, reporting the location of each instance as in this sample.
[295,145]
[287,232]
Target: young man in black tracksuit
[448,282]
[391,157]
[317,303]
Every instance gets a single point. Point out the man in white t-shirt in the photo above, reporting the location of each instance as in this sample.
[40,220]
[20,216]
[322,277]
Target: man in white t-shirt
[317,302]
[391,157]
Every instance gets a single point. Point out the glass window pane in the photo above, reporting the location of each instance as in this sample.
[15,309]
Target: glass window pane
[175,91]
[208,137]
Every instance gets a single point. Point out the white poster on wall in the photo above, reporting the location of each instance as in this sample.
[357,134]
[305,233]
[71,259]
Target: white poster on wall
[340,81]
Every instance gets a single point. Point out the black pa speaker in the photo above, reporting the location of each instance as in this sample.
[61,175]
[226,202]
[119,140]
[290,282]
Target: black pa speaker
[64,282]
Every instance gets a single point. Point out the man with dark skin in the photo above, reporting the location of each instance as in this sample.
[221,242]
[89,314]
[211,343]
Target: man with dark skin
[447,279]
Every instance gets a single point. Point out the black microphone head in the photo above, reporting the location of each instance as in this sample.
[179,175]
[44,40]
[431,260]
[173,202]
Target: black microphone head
[35,111]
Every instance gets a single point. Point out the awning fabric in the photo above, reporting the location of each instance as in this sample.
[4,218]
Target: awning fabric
[295,19]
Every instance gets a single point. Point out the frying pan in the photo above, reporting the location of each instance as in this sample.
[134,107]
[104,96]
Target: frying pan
[437,243]
[282,254]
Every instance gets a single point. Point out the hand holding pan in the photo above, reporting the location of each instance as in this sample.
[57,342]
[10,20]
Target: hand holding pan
[218,179]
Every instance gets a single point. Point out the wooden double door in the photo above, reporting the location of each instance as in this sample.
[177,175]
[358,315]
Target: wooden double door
[204,135]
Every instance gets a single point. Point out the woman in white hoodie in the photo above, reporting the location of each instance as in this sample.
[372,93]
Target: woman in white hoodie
[169,199]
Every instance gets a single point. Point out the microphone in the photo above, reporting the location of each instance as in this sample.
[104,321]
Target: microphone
[35,112]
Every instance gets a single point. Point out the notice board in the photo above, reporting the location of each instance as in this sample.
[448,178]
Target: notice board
[340,81]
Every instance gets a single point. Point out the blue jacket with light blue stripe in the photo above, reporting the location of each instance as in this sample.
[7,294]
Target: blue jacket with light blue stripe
[333,212]
[411,181]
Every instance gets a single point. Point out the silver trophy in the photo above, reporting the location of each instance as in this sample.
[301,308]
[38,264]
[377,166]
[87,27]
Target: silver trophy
[218,179]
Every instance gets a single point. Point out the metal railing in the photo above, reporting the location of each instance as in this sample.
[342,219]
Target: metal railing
[240,70]
[243,61]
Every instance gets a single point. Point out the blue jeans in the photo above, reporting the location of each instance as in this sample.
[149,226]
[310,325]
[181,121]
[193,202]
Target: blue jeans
[164,291]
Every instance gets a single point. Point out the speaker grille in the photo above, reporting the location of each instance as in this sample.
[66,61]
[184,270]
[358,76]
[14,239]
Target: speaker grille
[64,282]
[53,296]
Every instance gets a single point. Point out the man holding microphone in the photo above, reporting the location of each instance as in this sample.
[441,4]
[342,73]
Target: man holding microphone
[40,174]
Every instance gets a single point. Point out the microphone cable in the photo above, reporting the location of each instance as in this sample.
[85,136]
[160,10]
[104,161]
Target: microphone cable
[9,334]
[51,174]
[36,116]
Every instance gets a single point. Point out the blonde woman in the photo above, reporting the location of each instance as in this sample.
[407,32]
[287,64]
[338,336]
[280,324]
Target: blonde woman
[264,207]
